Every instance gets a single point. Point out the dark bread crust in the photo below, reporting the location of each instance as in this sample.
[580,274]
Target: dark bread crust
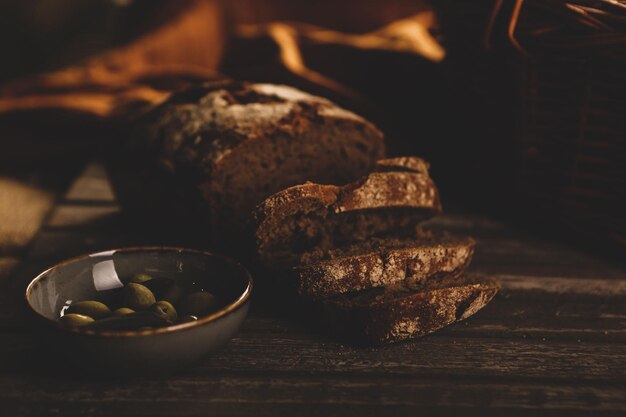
[306,198]
[403,163]
[323,214]
[194,130]
[395,187]
[384,263]
[398,313]
[228,136]
[390,189]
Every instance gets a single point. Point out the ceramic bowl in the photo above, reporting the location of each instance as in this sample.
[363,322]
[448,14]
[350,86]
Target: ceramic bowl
[147,350]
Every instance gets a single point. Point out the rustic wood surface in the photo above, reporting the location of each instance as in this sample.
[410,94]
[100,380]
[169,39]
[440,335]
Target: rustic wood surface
[553,342]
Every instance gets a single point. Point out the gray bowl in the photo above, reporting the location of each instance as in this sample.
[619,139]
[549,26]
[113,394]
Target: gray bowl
[147,350]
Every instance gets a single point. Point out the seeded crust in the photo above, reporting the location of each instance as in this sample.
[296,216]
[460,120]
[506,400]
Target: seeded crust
[397,313]
[382,262]
[240,143]
[308,216]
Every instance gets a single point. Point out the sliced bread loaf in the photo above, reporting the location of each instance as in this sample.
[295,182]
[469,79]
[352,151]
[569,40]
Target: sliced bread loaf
[400,312]
[240,142]
[358,255]
[315,217]
[381,262]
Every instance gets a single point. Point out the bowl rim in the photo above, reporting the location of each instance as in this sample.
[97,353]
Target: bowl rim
[229,308]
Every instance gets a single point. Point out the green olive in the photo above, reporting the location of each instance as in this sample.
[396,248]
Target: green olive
[123,311]
[164,309]
[173,294]
[75,320]
[198,304]
[94,309]
[138,297]
[141,278]
[187,318]
[131,321]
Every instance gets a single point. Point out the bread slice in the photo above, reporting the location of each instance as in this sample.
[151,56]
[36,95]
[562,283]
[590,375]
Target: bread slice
[241,142]
[403,163]
[401,312]
[381,262]
[312,216]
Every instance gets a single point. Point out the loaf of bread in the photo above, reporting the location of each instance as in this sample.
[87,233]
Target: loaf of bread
[358,255]
[240,142]
[314,217]
[400,312]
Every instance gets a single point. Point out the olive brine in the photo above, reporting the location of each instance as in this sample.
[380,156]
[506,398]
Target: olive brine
[145,302]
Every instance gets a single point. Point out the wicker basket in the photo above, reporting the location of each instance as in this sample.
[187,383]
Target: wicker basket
[573,111]
[555,72]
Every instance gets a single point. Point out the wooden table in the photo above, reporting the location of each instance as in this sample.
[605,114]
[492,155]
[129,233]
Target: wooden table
[551,343]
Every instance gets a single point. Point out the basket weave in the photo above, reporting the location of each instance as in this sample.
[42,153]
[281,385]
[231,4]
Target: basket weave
[542,87]
[573,137]
[573,112]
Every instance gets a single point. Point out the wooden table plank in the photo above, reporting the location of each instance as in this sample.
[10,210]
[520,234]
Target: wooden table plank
[271,396]
[80,216]
[435,372]
[297,349]
[92,185]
